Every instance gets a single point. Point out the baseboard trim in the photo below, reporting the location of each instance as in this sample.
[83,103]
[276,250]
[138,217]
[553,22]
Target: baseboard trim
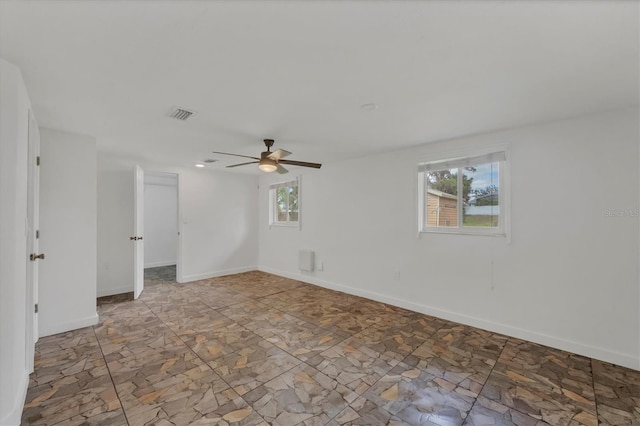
[159,264]
[196,277]
[14,418]
[112,291]
[50,329]
[625,360]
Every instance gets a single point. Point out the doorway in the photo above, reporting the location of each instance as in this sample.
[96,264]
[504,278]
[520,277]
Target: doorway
[160,226]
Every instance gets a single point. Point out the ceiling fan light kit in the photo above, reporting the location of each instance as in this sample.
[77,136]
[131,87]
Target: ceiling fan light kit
[267,165]
[270,161]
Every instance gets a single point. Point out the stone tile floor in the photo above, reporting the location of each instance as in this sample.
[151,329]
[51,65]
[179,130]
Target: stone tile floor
[258,349]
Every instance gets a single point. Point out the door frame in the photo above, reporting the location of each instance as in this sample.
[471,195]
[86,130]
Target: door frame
[178,241]
[138,260]
[179,277]
[138,231]
[33,220]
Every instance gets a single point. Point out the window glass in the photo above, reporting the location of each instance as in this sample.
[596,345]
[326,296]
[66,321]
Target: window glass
[293,203]
[482,202]
[281,205]
[442,199]
[285,203]
[462,195]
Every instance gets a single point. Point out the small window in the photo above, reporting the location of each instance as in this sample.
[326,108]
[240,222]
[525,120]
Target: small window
[463,195]
[284,200]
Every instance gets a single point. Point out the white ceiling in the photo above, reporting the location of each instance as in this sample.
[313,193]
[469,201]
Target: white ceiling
[298,72]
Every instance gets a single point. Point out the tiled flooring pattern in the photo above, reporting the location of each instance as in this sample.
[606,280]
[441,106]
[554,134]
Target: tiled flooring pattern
[258,349]
[116,298]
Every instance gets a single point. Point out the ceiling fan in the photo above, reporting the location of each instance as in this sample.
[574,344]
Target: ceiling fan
[271,161]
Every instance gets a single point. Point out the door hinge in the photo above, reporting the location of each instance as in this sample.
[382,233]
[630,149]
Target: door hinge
[36,308]
[37,234]
[38,160]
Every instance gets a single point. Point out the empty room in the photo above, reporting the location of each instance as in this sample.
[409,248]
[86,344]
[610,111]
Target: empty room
[319,212]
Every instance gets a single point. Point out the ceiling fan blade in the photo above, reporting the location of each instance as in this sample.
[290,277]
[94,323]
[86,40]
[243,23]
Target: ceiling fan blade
[281,170]
[276,155]
[237,155]
[243,164]
[301,163]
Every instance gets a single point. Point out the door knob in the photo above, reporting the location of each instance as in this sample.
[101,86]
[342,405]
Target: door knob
[33,256]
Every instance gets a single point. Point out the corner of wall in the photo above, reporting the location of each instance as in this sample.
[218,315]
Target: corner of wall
[14,417]
[214,274]
[55,328]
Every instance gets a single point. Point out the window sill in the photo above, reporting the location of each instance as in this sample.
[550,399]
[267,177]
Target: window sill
[284,225]
[463,231]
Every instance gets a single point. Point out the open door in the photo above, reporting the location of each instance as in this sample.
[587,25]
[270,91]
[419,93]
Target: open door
[33,235]
[138,232]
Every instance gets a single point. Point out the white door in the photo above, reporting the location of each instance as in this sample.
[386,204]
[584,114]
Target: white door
[138,232]
[33,195]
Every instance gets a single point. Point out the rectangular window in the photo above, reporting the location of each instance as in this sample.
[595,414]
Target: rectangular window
[462,195]
[284,200]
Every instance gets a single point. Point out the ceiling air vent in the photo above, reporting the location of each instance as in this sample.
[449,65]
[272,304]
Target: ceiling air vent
[181,113]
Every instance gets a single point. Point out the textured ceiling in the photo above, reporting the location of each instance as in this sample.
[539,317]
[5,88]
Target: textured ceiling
[299,72]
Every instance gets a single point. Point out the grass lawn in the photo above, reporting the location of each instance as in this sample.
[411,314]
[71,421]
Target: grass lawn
[481,220]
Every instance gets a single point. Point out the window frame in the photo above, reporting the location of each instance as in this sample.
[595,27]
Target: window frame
[464,160]
[273,213]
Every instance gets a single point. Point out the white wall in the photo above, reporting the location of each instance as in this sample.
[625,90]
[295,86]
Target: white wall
[567,277]
[218,227]
[14,112]
[160,219]
[219,223]
[68,236]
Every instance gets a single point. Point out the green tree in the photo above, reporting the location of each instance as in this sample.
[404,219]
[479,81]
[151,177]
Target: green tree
[447,182]
[287,203]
